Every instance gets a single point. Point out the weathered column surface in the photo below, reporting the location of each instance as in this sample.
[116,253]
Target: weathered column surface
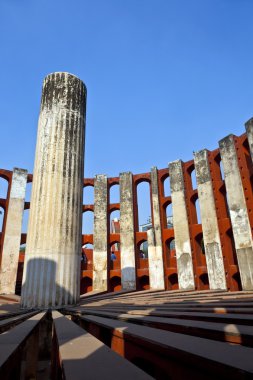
[238,211]
[181,227]
[52,261]
[211,236]
[155,251]
[11,243]
[127,249]
[100,237]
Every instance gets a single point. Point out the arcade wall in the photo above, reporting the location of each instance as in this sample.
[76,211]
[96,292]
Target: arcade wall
[207,249]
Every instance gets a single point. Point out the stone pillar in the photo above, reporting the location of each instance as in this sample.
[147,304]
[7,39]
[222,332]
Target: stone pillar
[181,227]
[155,251]
[52,261]
[127,247]
[211,236]
[100,237]
[11,243]
[238,211]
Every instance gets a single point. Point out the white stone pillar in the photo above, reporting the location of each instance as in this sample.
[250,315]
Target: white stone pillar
[211,236]
[181,227]
[238,211]
[52,261]
[155,250]
[127,247]
[11,243]
[100,237]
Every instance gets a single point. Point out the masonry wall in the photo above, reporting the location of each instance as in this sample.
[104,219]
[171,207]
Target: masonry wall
[209,245]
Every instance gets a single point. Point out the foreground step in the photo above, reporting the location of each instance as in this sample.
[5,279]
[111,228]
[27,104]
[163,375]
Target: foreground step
[241,319]
[8,323]
[12,344]
[237,334]
[170,355]
[81,356]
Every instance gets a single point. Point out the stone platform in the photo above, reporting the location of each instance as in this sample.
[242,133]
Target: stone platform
[140,335]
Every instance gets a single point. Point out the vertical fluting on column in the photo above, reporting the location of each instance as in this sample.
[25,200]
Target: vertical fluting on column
[11,243]
[155,251]
[52,261]
[211,236]
[238,211]
[181,227]
[100,237]
[127,246]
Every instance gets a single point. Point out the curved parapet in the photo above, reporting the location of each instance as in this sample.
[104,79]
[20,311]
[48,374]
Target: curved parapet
[205,242]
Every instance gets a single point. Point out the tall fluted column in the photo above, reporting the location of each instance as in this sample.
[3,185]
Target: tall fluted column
[52,261]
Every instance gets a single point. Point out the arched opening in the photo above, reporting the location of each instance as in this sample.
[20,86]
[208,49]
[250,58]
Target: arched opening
[171,261]
[25,220]
[143,250]
[115,222]
[115,255]
[237,281]
[204,282]
[193,179]
[19,276]
[142,254]
[223,191]
[200,250]
[143,204]
[115,284]
[4,184]
[86,285]
[144,282]
[115,194]
[166,187]
[169,216]
[222,175]
[231,247]
[87,257]
[88,195]
[88,222]
[173,281]
[28,192]
[197,208]
[1,218]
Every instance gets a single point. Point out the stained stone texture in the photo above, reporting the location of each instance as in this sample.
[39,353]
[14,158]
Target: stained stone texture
[100,237]
[52,262]
[155,252]
[213,252]
[11,244]
[181,227]
[238,211]
[127,247]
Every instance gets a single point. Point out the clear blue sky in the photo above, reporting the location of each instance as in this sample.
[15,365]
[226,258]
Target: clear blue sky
[164,77]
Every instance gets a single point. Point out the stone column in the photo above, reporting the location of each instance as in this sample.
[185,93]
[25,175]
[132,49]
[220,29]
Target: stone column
[211,236]
[181,227]
[155,251]
[100,237]
[238,211]
[52,261]
[127,247]
[11,243]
